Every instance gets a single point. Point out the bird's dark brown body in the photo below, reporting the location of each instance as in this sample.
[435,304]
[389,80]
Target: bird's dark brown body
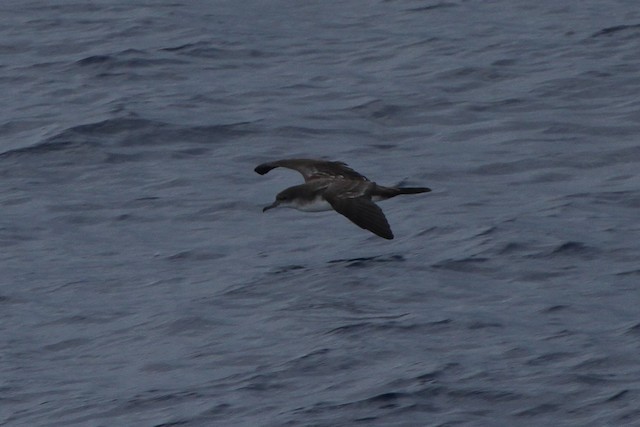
[333,185]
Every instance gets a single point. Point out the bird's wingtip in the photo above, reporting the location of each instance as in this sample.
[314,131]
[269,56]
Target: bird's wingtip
[262,169]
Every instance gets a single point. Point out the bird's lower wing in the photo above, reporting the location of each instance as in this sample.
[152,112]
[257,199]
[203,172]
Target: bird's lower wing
[364,213]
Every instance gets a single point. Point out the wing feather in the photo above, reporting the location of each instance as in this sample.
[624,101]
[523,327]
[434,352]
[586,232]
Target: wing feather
[356,205]
[313,169]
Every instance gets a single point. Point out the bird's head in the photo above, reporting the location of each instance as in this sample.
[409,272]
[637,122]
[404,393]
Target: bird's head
[284,199]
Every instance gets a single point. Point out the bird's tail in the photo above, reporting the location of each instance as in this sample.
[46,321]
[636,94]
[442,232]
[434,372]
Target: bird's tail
[389,192]
[412,190]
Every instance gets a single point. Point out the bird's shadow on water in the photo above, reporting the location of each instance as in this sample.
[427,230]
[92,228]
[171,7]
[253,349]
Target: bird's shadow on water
[367,261]
[360,262]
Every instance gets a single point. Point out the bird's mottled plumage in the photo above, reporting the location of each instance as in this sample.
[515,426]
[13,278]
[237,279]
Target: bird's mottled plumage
[333,185]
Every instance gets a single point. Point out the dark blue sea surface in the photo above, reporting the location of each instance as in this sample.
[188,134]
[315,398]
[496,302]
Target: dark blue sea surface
[141,284]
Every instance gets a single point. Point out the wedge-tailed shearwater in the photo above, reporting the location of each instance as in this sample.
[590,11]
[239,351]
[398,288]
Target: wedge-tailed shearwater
[333,185]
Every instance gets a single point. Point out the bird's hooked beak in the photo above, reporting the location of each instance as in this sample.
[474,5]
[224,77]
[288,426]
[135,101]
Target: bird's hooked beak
[271,206]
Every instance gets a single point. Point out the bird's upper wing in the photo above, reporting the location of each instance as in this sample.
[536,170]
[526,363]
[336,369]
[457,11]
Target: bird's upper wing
[313,169]
[352,199]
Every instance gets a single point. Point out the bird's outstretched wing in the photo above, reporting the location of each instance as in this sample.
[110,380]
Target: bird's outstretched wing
[313,169]
[352,199]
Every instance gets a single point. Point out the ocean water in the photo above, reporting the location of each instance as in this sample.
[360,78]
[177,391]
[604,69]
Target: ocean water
[141,284]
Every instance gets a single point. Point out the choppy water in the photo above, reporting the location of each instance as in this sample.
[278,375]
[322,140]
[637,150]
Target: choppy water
[140,284]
